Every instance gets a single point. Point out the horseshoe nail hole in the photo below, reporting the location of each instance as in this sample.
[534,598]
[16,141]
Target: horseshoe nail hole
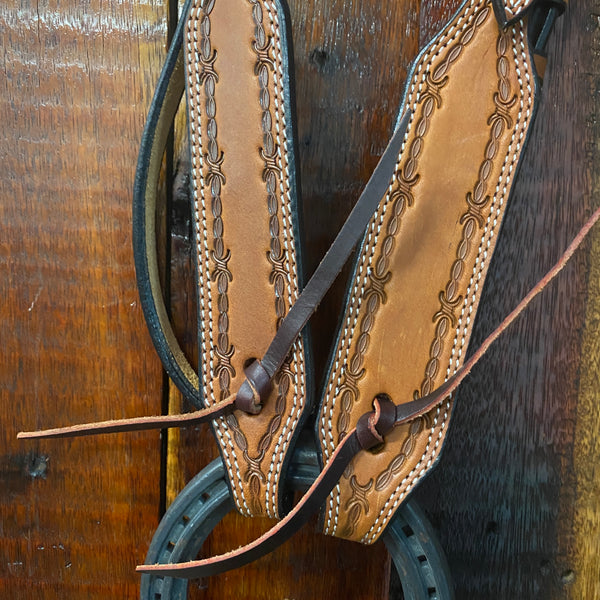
[422,558]
[205,497]
[491,527]
[407,531]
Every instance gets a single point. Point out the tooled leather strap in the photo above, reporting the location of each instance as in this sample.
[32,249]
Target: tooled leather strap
[368,433]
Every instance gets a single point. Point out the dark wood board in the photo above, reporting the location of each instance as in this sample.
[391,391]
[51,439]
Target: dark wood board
[514,496]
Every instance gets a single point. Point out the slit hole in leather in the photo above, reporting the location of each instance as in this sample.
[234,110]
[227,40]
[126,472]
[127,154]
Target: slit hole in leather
[248,362]
[382,396]
[379,448]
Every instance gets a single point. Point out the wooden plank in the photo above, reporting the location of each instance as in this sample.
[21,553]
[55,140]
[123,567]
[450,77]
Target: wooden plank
[76,515]
[582,548]
[514,497]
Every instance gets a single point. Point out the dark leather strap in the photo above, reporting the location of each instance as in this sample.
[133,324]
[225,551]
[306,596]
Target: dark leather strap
[163,108]
[507,16]
[308,505]
[369,432]
[337,255]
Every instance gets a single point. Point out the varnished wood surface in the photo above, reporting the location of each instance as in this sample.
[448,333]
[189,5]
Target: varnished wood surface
[515,496]
[75,516]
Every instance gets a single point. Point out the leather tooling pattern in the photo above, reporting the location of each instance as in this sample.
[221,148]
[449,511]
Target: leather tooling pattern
[253,456]
[472,220]
[401,198]
[205,56]
[254,475]
[289,381]
[273,177]
[500,122]
[436,65]
[356,505]
[264,69]
[201,72]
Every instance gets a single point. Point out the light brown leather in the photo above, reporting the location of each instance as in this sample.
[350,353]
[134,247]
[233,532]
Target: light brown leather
[421,269]
[247,264]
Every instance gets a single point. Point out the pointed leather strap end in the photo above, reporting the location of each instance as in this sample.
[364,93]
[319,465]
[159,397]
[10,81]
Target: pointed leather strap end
[135,424]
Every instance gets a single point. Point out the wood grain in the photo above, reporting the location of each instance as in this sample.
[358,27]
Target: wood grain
[515,496]
[507,495]
[582,547]
[76,515]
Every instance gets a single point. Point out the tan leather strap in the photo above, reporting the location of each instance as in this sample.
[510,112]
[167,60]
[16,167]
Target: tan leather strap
[136,423]
[369,432]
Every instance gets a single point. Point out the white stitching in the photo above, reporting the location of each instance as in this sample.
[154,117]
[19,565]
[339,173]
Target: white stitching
[282,445]
[462,22]
[221,427]
[471,296]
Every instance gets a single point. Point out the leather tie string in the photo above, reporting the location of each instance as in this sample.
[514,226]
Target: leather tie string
[369,432]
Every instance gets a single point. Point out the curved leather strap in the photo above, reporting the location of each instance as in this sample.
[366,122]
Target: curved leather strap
[163,108]
[162,111]
[370,430]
